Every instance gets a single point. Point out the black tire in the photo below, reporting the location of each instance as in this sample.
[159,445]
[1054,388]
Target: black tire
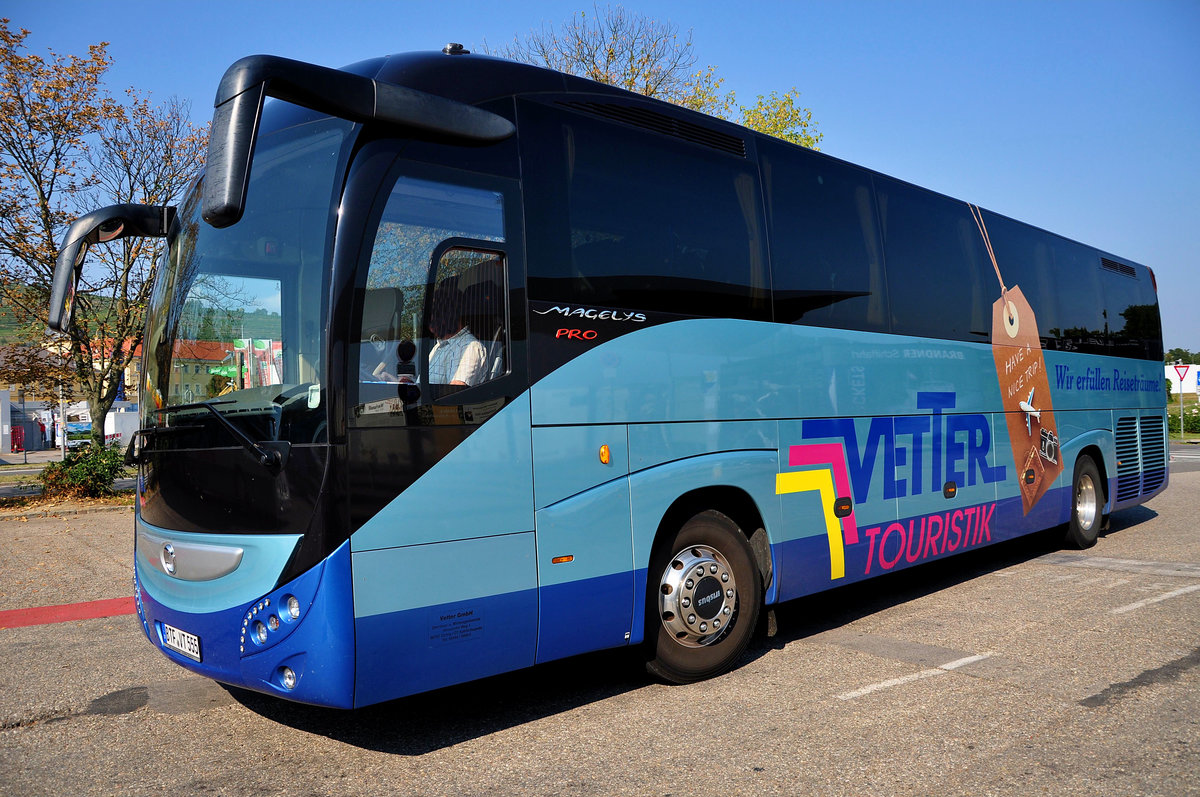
[705,572]
[1087,505]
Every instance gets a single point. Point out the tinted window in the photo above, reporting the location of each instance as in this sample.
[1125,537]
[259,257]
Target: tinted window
[651,223]
[1026,258]
[1060,279]
[1079,299]
[1079,304]
[940,279]
[1131,312]
[826,259]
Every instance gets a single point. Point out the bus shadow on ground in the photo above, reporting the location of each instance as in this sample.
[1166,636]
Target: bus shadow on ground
[825,611]
[435,720]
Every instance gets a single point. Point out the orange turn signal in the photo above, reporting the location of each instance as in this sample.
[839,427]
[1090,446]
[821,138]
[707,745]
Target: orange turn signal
[562,560]
[605,455]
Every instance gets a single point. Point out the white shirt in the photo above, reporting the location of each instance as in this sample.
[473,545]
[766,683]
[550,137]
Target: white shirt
[459,358]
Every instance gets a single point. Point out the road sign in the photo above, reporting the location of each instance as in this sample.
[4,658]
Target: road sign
[1182,371]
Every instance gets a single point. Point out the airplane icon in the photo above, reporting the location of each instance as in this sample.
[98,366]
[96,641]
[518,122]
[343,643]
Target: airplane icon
[1030,412]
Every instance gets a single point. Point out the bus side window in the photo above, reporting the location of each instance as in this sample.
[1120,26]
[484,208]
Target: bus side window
[826,255]
[935,258]
[639,221]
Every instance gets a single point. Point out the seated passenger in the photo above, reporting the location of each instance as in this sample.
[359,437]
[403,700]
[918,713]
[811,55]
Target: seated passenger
[457,358]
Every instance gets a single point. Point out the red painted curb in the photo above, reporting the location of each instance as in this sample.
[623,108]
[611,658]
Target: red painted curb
[90,610]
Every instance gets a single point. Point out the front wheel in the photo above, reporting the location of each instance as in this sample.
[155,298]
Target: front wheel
[703,600]
[1087,503]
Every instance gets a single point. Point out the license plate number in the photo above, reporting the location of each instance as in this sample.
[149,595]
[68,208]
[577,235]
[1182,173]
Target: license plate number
[181,641]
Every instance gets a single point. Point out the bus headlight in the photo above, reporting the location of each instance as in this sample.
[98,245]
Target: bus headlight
[260,632]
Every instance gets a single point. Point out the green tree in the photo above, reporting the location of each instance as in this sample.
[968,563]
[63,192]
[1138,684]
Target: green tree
[649,57]
[67,147]
[1181,355]
[778,115]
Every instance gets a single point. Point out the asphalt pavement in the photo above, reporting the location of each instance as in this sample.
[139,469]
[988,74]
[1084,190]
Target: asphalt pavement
[1014,669]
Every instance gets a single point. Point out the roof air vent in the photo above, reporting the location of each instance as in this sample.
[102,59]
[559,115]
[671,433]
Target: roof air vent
[454,48]
[1120,268]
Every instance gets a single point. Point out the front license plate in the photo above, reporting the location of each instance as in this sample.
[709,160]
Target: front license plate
[181,641]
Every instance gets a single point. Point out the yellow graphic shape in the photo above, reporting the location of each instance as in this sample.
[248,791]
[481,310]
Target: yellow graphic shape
[822,482]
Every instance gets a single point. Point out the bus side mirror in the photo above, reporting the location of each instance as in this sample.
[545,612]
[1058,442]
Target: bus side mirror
[100,226]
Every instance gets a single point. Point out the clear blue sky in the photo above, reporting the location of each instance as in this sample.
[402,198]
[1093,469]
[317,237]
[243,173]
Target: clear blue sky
[1080,116]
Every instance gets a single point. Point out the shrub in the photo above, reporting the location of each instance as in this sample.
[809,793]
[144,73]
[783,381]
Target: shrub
[1191,421]
[87,472]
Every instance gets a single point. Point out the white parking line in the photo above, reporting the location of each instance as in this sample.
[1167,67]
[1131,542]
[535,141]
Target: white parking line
[1139,604]
[916,676]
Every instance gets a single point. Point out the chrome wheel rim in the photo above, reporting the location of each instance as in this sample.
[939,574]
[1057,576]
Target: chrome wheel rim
[1085,502]
[697,596]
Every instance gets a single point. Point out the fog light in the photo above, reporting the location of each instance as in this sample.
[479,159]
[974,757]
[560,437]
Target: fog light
[288,677]
[260,632]
[293,607]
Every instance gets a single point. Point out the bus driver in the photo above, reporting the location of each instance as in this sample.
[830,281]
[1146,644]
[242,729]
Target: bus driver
[457,358]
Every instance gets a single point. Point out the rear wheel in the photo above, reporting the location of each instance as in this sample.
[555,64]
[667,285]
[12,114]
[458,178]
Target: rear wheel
[1087,504]
[703,600]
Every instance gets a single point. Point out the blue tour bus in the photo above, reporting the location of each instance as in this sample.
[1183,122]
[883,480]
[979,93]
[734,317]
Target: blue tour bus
[456,365]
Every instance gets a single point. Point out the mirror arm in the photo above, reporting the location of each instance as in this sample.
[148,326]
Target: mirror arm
[148,221]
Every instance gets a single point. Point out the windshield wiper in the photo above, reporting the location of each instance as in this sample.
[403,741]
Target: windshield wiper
[270,454]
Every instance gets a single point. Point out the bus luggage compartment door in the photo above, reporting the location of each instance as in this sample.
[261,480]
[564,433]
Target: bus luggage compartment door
[585,541]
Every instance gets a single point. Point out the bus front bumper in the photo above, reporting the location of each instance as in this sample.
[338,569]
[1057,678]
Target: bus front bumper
[294,641]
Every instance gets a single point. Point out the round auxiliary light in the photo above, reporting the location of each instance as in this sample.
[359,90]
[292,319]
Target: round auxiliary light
[273,623]
[293,607]
[288,676]
[260,632]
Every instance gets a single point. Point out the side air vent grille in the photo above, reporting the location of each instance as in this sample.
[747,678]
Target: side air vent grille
[1128,480]
[1120,268]
[1154,454]
[661,123]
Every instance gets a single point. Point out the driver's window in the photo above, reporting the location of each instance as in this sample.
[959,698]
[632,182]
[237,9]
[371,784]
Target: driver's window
[431,327]
[468,319]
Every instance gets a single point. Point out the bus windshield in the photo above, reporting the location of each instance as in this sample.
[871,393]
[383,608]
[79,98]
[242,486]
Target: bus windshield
[237,316]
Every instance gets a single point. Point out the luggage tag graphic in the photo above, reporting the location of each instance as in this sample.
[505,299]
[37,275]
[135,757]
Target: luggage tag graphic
[1024,386]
